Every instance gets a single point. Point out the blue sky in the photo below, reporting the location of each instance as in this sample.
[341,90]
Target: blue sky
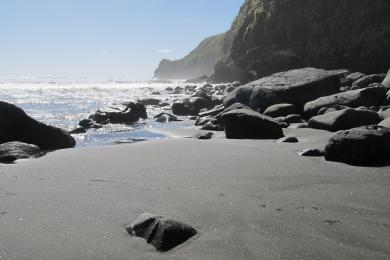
[104,38]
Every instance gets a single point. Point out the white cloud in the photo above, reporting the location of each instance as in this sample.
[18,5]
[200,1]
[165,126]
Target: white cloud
[164,51]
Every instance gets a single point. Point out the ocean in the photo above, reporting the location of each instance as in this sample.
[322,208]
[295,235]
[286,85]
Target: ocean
[63,103]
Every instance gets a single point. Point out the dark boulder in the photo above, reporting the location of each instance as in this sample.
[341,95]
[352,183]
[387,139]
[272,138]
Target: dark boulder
[190,106]
[367,81]
[372,96]
[89,123]
[78,130]
[354,77]
[16,125]
[333,108]
[12,151]
[280,110]
[212,126]
[294,118]
[132,114]
[149,101]
[295,87]
[165,118]
[344,119]
[213,112]
[161,232]
[248,124]
[367,145]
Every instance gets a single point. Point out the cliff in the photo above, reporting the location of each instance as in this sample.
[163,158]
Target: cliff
[269,36]
[200,62]
[277,35]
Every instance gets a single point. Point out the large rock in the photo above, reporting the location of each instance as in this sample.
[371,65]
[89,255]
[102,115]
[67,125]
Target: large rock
[344,119]
[248,124]
[295,87]
[366,81]
[161,232]
[132,114]
[12,151]
[191,106]
[280,110]
[386,81]
[16,125]
[372,96]
[149,101]
[368,145]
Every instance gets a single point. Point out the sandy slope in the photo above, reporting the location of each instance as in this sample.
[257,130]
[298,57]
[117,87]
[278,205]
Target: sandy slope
[248,200]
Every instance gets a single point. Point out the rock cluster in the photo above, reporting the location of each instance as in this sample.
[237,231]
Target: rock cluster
[328,100]
[22,136]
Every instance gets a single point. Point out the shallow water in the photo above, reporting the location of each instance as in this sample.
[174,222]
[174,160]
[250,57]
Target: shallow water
[64,104]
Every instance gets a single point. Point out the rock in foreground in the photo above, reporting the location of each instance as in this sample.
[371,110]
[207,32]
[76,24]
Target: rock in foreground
[12,151]
[368,145]
[161,232]
[248,124]
[16,125]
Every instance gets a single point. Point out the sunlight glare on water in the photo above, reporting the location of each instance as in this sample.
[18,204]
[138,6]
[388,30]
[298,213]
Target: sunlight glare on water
[64,104]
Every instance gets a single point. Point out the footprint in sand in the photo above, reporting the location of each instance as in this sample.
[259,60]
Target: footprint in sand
[311,208]
[332,222]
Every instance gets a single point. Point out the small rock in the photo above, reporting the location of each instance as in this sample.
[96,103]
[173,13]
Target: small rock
[78,130]
[165,117]
[288,139]
[161,232]
[294,118]
[311,152]
[12,151]
[203,135]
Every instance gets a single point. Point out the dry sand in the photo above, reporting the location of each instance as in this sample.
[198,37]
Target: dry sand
[248,200]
